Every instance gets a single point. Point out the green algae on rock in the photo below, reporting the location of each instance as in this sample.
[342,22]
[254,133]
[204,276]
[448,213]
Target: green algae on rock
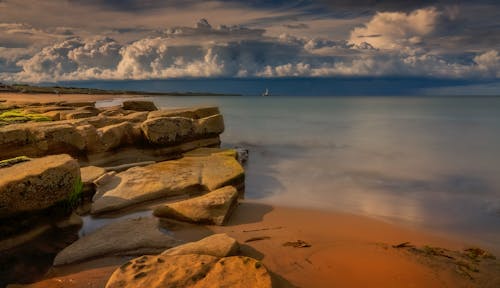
[13,161]
[21,116]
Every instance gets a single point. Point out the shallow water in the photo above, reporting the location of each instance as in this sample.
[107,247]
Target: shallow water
[430,162]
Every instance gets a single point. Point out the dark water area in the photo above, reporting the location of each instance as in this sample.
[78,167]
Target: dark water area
[297,86]
[29,262]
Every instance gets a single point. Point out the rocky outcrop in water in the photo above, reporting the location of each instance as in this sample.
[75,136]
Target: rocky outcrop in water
[37,184]
[134,237]
[185,176]
[82,130]
[139,105]
[212,208]
[130,155]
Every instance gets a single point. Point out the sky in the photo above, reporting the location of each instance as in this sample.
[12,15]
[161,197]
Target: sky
[75,40]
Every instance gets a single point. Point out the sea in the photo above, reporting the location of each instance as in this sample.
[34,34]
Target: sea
[428,162]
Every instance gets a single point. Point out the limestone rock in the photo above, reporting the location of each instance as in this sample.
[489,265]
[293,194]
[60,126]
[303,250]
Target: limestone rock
[218,245]
[191,271]
[91,173]
[206,151]
[113,111]
[212,125]
[193,113]
[113,136]
[212,208]
[78,104]
[139,105]
[37,184]
[185,176]
[219,171]
[79,114]
[35,139]
[168,131]
[54,115]
[128,237]
[135,117]
[49,108]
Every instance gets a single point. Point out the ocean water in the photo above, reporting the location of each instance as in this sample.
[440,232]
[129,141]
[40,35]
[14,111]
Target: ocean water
[429,162]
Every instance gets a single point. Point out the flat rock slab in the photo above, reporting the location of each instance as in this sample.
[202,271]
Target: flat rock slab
[37,184]
[207,151]
[185,176]
[175,129]
[91,173]
[139,105]
[190,271]
[217,245]
[128,237]
[212,208]
[194,112]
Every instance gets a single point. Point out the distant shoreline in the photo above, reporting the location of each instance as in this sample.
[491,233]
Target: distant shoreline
[57,90]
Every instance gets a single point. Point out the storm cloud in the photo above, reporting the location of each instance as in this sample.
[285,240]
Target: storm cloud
[279,39]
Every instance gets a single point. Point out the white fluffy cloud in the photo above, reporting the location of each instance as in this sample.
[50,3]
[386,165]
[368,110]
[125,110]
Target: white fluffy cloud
[397,30]
[390,43]
[488,63]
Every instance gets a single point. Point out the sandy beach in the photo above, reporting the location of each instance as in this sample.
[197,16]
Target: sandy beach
[43,98]
[345,251]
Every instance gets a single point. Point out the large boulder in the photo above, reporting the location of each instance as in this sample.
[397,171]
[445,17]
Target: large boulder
[89,175]
[193,113]
[212,208]
[211,125]
[218,245]
[128,237]
[113,136]
[37,184]
[172,130]
[168,131]
[185,176]
[191,270]
[139,105]
[37,139]
[79,114]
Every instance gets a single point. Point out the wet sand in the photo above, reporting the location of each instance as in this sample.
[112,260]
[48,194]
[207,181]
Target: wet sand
[346,251]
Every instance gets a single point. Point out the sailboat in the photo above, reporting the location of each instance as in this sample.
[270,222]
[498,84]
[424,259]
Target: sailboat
[266,93]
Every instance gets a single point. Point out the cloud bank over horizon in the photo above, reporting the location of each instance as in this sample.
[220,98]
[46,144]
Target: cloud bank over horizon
[292,41]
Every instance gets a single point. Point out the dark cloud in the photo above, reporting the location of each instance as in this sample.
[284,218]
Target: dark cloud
[265,39]
[297,26]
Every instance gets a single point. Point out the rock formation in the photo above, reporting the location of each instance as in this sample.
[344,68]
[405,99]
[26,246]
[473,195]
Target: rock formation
[185,176]
[212,208]
[206,263]
[217,245]
[82,130]
[134,237]
[37,184]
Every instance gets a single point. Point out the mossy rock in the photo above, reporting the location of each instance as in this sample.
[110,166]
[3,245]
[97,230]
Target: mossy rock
[13,161]
[21,116]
